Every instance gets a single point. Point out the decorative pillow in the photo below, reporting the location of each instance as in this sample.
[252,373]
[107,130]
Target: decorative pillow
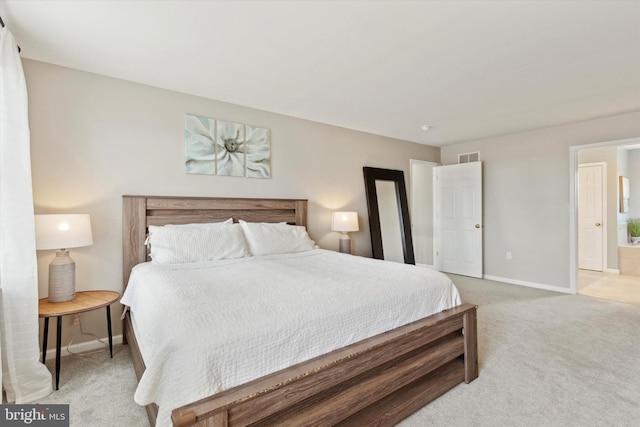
[176,245]
[270,238]
[203,224]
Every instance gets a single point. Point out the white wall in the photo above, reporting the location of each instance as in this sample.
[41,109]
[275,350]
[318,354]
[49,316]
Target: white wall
[95,138]
[526,196]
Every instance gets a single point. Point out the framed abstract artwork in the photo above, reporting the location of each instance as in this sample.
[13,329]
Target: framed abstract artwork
[223,148]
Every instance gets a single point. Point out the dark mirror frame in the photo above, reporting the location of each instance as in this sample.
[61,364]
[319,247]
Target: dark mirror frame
[371,175]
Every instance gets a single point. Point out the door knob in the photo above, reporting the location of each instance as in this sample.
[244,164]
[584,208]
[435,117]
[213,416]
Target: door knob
[477,225]
[598,224]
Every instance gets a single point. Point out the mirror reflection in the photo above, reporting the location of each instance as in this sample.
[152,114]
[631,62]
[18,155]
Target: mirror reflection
[389,220]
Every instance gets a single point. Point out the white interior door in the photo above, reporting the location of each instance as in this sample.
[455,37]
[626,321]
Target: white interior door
[591,217]
[458,215]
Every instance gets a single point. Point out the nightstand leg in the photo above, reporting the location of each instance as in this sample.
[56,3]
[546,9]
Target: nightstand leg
[58,345]
[109,327]
[44,339]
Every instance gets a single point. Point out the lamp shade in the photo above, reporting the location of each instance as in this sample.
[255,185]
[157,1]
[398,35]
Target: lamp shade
[63,231]
[344,221]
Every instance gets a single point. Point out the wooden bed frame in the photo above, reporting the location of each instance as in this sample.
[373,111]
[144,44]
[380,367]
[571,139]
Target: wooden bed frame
[374,382]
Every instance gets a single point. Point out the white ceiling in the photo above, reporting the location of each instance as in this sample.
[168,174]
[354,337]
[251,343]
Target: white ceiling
[469,69]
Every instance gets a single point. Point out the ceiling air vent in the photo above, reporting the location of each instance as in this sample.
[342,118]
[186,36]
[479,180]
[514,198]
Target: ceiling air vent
[469,157]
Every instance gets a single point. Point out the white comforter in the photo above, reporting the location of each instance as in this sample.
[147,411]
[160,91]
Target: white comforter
[206,327]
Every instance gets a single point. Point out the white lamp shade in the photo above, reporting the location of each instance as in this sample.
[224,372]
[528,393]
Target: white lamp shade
[63,231]
[345,221]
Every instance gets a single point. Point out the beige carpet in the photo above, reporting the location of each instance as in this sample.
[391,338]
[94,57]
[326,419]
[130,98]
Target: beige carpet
[546,359]
[98,389]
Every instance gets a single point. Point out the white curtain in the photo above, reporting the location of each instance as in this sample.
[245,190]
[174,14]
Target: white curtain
[25,379]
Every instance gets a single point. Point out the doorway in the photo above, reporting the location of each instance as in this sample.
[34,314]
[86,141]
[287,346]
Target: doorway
[622,158]
[421,189]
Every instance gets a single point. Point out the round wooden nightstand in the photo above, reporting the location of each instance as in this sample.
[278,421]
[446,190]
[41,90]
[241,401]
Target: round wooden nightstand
[84,301]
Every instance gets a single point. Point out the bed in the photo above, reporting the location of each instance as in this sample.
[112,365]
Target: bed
[377,380]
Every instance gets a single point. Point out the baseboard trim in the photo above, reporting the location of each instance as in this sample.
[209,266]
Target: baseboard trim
[612,270]
[83,347]
[426,266]
[528,284]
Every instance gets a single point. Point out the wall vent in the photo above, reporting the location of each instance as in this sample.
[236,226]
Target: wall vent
[469,157]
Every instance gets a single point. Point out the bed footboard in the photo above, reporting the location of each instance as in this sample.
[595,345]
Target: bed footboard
[374,382]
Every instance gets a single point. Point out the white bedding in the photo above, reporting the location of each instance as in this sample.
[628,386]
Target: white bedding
[256,315]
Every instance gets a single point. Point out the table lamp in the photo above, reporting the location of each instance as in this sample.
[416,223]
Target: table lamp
[345,222]
[62,232]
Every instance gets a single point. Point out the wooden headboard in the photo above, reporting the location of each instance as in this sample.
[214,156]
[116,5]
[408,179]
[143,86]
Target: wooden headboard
[138,212]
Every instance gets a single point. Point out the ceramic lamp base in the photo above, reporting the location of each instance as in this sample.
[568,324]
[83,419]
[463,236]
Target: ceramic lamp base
[345,244]
[62,278]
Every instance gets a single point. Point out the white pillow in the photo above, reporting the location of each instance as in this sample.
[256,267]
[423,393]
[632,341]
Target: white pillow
[269,238]
[203,224]
[176,245]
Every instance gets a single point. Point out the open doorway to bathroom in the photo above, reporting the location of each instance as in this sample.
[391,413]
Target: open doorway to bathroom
[608,266]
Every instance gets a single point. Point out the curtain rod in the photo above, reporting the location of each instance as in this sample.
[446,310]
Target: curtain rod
[2,23]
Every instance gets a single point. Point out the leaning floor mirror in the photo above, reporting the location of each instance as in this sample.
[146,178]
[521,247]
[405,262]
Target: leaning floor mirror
[389,221]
